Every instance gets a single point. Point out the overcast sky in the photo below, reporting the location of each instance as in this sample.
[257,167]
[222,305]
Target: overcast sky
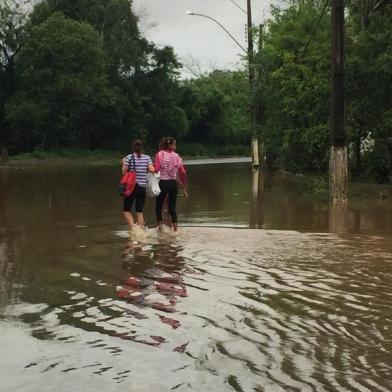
[196,37]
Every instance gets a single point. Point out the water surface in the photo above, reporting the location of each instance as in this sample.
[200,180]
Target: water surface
[300,304]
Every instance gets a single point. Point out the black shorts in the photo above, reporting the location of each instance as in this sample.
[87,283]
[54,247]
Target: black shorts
[138,194]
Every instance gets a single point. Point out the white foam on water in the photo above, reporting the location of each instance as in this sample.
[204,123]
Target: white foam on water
[25,308]
[147,235]
[79,296]
[151,298]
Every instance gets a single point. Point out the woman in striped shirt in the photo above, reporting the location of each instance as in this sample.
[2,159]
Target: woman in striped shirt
[141,164]
[171,169]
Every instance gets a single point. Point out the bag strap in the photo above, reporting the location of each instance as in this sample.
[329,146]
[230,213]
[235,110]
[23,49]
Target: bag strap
[134,163]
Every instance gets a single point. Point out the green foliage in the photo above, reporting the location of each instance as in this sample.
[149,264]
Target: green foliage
[62,85]
[85,77]
[112,19]
[295,87]
[12,32]
[369,77]
[217,106]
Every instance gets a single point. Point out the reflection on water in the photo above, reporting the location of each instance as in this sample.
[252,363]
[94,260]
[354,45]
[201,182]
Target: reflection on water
[256,220]
[84,305]
[338,218]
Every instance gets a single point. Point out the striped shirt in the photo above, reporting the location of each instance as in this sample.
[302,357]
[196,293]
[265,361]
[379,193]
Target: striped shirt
[141,167]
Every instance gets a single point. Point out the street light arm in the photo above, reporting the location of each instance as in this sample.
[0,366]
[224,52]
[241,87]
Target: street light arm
[221,26]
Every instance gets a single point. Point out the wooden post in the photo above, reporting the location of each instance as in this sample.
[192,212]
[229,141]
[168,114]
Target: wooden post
[338,158]
[4,156]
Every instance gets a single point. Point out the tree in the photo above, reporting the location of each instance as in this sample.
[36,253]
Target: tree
[145,77]
[217,107]
[295,86]
[158,88]
[12,32]
[113,20]
[62,86]
[369,77]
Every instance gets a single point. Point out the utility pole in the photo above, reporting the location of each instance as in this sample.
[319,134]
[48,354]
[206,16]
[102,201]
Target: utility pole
[252,89]
[338,158]
[259,114]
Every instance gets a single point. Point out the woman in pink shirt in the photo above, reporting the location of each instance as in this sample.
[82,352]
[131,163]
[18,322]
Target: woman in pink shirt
[171,169]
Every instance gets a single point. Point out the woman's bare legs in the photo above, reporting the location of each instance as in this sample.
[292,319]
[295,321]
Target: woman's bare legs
[129,218]
[140,219]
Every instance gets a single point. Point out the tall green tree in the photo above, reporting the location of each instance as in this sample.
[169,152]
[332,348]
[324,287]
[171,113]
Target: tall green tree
[143,98]
[369,80]
[113,20]
[62,86]
[158,87]
[295,68]
[217,105]
[12,32]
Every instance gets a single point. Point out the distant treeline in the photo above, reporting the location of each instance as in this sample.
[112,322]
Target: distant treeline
[79,74]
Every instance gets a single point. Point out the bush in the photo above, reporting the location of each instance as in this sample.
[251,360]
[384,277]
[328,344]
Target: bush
[375,164]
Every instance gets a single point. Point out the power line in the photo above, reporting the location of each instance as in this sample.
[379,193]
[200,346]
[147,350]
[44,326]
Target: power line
[238,6]
[317,26]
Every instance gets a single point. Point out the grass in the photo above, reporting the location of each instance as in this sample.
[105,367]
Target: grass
[66,157]
[316,187]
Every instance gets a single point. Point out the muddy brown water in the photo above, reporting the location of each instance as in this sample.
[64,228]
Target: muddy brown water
[274,293]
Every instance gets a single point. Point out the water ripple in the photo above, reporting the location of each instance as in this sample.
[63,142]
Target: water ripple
[212,309]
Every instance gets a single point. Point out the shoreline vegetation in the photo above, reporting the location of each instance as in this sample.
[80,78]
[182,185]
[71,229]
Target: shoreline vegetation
[315,186]
[66,157]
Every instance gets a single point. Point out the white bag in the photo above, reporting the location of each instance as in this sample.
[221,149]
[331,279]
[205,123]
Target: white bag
[153,189]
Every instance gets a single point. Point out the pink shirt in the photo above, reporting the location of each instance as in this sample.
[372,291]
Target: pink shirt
[170,166]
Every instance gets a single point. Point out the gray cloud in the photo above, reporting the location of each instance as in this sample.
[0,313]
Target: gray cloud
[196,37]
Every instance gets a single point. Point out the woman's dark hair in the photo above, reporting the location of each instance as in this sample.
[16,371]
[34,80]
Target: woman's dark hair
[170,141]
[166,142]
[162,144]
[137,146]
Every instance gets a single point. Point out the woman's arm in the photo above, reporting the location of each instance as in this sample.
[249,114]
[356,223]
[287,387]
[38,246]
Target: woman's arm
[151,168]
[157,162]
[124,165]
[181,173]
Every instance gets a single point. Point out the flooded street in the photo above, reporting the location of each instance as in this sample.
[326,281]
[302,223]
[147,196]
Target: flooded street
[274,293]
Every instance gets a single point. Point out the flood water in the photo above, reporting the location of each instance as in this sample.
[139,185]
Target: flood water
[267,293]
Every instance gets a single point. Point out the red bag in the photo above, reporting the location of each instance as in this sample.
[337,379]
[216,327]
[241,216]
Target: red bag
[128,180]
